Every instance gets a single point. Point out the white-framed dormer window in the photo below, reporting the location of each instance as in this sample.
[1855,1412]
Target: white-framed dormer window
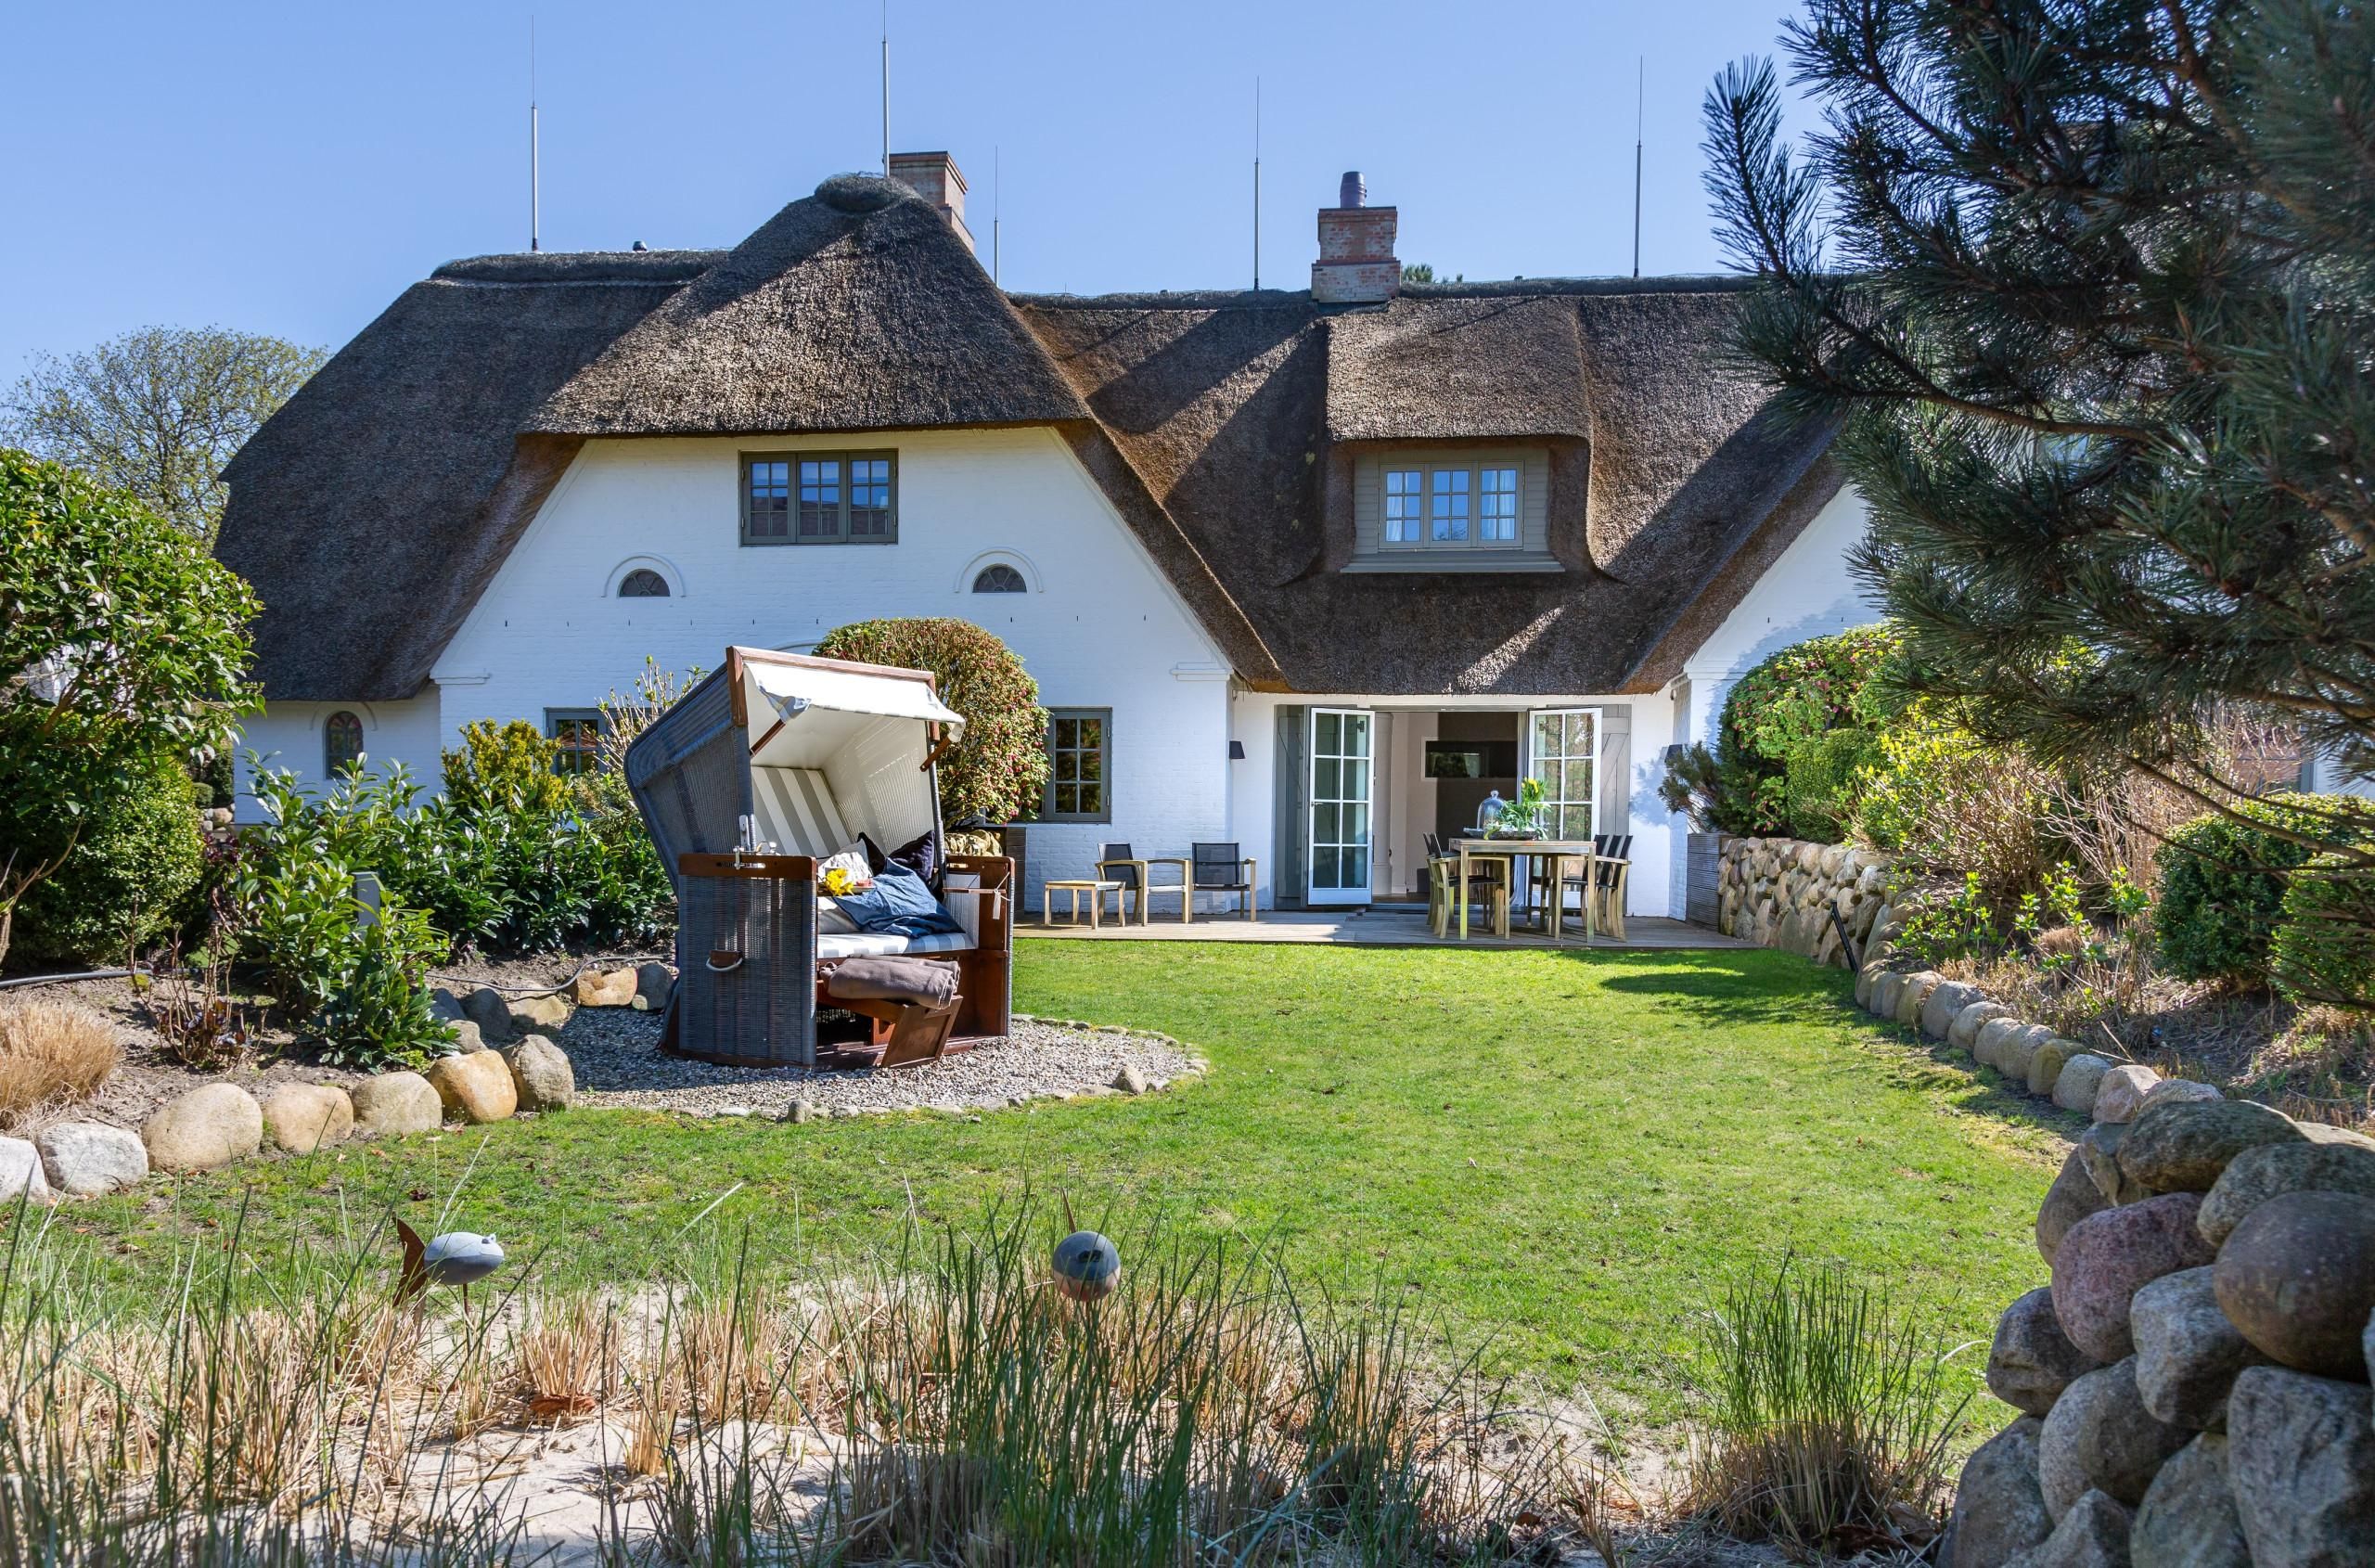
[1452,509]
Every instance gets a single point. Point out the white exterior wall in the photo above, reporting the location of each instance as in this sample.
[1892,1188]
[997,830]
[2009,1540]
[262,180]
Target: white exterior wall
[1101,626]
[1806,594]
[288,735]
[1397,826]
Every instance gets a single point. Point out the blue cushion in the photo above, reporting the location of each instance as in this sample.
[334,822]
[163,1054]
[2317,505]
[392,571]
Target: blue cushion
[897,903]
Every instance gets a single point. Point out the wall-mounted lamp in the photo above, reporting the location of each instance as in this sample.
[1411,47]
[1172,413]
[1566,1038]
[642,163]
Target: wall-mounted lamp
[1237,750]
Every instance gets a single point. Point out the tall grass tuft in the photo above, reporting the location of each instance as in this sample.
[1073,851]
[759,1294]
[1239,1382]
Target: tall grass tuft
[51,1053]
[1830,1415]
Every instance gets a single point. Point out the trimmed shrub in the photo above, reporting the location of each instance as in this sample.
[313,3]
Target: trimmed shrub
[999,770]
[504,767]
[2324,947]
[127,877]
[2221,893]
[1789,705]
[1821,782]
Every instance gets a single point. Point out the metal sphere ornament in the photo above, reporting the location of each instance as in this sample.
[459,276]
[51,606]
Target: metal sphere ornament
[1087,1266]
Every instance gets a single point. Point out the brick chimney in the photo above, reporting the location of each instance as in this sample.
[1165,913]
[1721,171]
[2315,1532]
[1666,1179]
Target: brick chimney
[1356,265]
[934,176]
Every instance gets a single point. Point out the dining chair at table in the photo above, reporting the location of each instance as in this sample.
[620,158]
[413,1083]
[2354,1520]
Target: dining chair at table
[1219,867]
[1604,883]
[1488,885]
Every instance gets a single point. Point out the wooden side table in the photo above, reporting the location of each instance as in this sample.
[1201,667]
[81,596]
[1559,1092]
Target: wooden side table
[1095,890]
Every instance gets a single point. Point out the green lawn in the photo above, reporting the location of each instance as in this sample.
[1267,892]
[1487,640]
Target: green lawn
[1560,1150]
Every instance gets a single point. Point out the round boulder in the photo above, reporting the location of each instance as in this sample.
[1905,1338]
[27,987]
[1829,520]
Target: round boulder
[303,1117]
[2020,1048]
[392,1104]
[2120,1094]
[2178,1145]
[1945,1004]
[1988,1047]
[2186,1353]
[541,1075]
[652,983]
[2100,1437]
[1886,991]
[2107,1257]
[486,1008]
[1964,1031]
[2082,1075]
[2180,1089]
[474,1088]
[2273,1169]
[86,1158]
[532,1015]
[2098,1147]
[2300,1458]
[605,988]
[21,1177]
[2045,1064]
[1917,990]
[2072,1198]
[1999,1508]
[2298,1278]
[2188,1517]
[2092,1534]
[208,1126]
[2032,1360]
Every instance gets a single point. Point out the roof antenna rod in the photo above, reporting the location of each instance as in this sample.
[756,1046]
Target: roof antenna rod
[1257,184]
[886,89]
[997,205]
[1640,87]
[535,171]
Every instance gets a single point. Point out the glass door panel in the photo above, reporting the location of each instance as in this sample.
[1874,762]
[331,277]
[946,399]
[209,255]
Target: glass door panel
[1341,778]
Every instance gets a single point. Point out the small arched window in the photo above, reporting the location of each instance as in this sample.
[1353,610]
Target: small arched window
[342,742]
[643,583]
[1000,579]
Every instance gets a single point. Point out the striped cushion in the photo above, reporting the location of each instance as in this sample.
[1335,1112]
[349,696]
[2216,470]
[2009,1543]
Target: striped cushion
[883,943]
[796,812]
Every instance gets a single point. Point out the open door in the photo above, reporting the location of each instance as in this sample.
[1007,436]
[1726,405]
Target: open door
[1562,753]
[1342,776]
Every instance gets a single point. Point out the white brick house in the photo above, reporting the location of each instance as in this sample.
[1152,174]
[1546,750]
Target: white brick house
[1242,536]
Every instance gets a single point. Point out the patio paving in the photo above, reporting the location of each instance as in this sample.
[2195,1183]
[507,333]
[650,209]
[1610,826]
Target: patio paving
[1381,925]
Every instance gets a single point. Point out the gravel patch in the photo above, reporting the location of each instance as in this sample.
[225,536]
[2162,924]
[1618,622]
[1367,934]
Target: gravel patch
[616,1054]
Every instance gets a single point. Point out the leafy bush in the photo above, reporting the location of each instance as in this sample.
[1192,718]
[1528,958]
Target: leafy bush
[1943,801]
[379,1015]
[134,858]
[2324,947]
[999,770]
[508,766]
[85,568]
[1821,780]
[2222,886]
[1787,706]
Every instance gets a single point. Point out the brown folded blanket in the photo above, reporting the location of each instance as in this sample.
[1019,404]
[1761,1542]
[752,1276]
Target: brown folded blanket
[927,982]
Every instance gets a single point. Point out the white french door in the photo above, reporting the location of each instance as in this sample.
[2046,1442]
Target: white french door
[1562,754]
[1342,777]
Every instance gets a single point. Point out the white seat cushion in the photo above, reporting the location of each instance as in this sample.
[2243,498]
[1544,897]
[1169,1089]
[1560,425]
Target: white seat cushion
[884,943]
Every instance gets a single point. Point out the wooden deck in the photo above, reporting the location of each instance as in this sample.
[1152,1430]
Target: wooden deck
[1384,925]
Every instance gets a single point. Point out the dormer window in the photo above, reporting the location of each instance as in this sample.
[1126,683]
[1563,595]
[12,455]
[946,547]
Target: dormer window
[1460,509]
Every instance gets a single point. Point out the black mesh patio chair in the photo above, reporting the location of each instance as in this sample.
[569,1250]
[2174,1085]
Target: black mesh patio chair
[1118,863]
[1218,867]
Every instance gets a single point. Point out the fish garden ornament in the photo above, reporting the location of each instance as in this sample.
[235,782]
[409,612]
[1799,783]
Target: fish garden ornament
[458,1257]
[1087,1266]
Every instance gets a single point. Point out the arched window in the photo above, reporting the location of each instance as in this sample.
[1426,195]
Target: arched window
[1000,578]
[643,583]
[342,742]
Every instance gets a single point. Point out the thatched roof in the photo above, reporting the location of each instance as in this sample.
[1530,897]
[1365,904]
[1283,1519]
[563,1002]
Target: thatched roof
[1242,412]
[372,511]
[857,309]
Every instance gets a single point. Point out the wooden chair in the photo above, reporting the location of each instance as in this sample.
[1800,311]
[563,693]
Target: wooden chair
[1218,867]
[1485,884]
[1611,859]
[1116,862]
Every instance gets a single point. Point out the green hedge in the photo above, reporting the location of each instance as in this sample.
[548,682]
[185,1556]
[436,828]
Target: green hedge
[1780,764]
[2224,884]
[125,882]
[2324,949]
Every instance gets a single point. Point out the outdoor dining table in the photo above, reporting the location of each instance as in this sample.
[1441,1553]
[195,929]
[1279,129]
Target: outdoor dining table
[1555,851]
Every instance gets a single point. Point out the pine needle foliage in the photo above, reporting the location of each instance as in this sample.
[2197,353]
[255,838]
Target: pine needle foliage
[2089,287]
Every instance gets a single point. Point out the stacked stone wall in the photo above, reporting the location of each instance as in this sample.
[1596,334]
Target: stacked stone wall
[1782,892]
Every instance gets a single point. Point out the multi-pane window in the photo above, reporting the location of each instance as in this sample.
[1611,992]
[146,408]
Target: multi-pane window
[1080,748]
[643,583]
[999,578]
[1497,508]
[579,732]
[342,743]
[820,498]
[1450,505]
[1563,753]
[1447,505]
[1404,505]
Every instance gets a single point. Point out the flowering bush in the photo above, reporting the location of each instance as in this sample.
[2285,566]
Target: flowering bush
[1786,716]
[999,770]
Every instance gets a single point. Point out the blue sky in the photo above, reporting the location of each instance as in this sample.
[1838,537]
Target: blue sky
[290,168]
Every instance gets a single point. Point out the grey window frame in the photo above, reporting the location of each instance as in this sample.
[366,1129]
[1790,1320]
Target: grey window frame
[362,740]
[1426,469]
[555,718]
[845,457]
[1022,583]
[1104,716]
[667,589]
